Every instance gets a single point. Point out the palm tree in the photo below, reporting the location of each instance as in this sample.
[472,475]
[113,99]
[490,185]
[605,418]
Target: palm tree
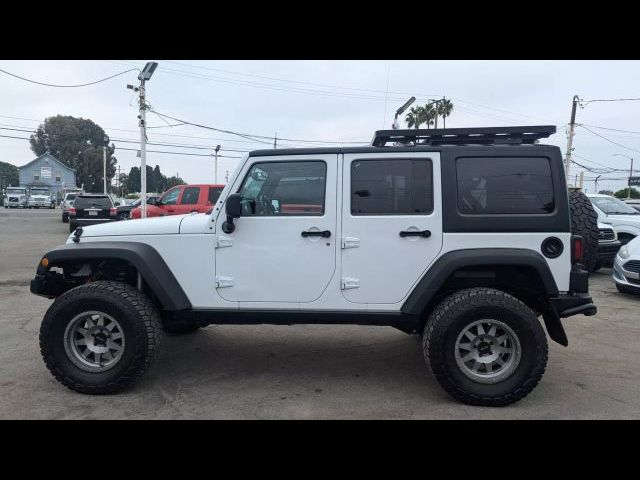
[430,114]
[415,117]
[445,107]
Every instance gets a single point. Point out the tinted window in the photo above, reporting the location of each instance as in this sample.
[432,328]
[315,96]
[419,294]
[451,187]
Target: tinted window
[88,202]
[391,187]
[613,206]
[171,197]
[214,194]
[70,196]
[504,185]
[190,196]
[284,188]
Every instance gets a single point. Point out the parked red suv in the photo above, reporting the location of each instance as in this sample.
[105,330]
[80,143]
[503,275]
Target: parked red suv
[183,199]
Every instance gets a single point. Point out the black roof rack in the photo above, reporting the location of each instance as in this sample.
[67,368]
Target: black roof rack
[465,136]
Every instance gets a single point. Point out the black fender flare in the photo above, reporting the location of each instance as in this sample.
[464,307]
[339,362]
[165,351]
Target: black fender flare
[146,259]
[448,263]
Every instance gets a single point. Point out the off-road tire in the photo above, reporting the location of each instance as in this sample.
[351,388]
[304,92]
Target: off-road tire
[136,314]
[178,326]
[584,222]
[464,307]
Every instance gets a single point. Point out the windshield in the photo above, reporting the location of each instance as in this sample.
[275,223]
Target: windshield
[613,206]
[39,191]
[15,190]
[70,196]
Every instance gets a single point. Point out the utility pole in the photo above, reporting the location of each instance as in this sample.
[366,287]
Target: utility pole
[581,180]
[104,163]
[145,75]
[275,141]
[596,184]
[572,125]
[215,163]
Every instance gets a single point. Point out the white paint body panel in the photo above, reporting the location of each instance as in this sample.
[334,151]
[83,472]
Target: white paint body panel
[146,226]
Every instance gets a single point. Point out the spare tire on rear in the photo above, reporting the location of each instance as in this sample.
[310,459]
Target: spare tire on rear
[584,222]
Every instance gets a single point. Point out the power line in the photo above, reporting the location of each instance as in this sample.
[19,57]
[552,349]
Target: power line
[68,86]
[608,140]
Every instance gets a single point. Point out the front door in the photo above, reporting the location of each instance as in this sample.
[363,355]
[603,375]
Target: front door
[283,247]
[391,223]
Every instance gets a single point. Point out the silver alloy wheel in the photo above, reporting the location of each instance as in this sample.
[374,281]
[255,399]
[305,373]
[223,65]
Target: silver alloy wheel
[94,341]
[487,351]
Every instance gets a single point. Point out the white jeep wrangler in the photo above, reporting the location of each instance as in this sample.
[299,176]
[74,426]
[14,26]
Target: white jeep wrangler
[461,235]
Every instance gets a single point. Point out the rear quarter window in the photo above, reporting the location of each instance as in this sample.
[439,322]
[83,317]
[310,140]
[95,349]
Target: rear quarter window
[504,186]
[88,202]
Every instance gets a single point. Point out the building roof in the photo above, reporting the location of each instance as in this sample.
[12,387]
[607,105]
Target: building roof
[47,154]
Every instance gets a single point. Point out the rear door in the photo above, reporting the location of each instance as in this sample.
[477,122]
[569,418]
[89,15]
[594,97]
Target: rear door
[391,223]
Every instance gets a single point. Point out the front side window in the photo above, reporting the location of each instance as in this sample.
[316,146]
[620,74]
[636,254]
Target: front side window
[284,188]
[190,196]
[504,185]
[392,187]
[171,197]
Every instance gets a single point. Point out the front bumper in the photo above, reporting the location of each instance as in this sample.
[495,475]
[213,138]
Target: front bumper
[623,276]
[40,203]
[607,252]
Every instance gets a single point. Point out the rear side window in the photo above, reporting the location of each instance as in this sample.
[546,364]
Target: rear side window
[71,196]
[504,185]
[190,196]
[89,202]
[392,187]
[214,194]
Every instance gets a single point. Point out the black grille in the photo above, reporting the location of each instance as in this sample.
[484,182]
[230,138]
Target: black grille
[632,266]
[13,199]
[606,234]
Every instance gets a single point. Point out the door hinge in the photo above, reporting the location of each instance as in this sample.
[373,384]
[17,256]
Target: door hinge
[350,242]
[221,242]
[223,282]
[348,282]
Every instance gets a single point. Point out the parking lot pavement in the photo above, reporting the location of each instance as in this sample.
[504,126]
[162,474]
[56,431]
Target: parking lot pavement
[270,372]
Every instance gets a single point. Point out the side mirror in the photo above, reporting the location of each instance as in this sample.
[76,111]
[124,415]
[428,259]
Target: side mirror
[233,209]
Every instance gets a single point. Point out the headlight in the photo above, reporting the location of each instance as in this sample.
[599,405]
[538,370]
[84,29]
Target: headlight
[623,252]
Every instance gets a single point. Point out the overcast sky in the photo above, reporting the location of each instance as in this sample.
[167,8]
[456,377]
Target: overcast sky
[336,101]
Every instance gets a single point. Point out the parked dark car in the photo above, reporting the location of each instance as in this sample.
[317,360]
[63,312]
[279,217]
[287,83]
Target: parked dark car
[90,210]
[124,211]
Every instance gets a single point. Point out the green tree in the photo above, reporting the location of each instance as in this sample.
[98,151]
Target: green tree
[173,181]
[156,181]
[625,192]
[429,114]
[8,175]
[415,117]
[76,142]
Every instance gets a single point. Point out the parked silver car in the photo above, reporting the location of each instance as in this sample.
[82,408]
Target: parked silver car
[67,202]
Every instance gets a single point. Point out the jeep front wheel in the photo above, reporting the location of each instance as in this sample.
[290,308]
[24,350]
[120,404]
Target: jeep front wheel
[100,337]
[485,347]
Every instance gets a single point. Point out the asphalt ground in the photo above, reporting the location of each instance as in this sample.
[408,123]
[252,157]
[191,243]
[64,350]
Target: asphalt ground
[301,372]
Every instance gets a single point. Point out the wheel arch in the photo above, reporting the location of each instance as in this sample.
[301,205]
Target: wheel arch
[523,273]
[143,257]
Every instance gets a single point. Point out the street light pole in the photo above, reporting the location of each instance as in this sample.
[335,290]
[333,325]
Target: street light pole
[572,128]
[215,179]
[104,163]
[630,172]
[145,75]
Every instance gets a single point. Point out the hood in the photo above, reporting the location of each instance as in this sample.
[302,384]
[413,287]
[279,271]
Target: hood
[149,226]
[633,247]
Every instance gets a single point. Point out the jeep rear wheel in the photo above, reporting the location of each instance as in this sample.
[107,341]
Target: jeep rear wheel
[485,347]
[584,222]
[100,337]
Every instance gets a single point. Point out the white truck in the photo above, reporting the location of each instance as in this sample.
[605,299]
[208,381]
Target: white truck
[15,197]
[40,197]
